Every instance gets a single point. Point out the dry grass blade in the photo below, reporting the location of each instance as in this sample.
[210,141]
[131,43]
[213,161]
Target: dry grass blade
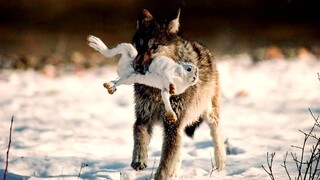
[213,168]
[82,166]
[7,158]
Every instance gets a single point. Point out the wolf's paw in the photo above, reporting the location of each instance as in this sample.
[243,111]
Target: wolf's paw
[171,116]
[220,163]
[96,43]
[110,87]
[172,89]
[138,166]
[220,157]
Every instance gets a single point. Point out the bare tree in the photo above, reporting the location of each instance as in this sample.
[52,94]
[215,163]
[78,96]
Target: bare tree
[307,164]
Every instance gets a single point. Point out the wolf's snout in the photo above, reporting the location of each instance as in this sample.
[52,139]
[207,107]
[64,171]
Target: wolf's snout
[141,63]
[139,68]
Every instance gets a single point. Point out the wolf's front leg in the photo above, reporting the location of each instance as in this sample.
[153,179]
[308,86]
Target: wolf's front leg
[142,135]
[170,154]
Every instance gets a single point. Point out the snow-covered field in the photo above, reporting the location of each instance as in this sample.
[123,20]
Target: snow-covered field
[62,122]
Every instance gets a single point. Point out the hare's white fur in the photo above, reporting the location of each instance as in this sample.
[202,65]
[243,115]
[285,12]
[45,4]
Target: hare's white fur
[171,77]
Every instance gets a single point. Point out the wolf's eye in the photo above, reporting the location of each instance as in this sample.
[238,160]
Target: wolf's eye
[154,47]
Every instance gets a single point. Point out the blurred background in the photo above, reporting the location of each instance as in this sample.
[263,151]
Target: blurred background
[36,33]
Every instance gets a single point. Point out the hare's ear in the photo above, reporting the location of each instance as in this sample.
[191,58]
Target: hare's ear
[174,24]
[144,18]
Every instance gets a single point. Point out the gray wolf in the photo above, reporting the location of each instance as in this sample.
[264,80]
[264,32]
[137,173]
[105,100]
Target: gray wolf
[201,102]
[171,77]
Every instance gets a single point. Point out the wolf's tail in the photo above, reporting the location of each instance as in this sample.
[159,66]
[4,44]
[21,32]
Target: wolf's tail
[189,130]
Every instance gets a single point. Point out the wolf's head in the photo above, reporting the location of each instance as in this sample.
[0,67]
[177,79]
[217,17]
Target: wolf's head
[154,37]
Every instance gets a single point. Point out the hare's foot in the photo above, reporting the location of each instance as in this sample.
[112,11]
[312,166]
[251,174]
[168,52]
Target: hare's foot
[171,116]
[110,87]
[172,89]
[96,43]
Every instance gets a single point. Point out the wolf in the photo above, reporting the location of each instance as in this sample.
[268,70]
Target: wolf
[201,102]
[171,77]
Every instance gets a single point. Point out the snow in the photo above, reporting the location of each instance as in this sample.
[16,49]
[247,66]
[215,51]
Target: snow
[62,122]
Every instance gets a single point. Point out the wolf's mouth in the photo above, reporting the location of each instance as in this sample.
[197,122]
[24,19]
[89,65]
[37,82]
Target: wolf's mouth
[139,68]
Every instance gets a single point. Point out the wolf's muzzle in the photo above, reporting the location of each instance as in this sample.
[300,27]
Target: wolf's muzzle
[139,68]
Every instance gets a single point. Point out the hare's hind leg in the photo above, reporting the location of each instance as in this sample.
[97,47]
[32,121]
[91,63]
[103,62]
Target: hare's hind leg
[96,44]
[168,83]
[110,86]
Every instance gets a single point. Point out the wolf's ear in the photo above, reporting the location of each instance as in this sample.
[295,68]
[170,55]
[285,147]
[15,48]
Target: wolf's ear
[144,17]
[174,24]
[146,14]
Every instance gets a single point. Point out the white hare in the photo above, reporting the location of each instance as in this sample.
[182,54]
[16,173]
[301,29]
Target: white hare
[171,77]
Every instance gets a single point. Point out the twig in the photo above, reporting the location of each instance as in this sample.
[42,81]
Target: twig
[298,147]
[317,163]
[285,164]
[314,157]
[314,154]
[9,145]
[314,117]
[269,163]
[213,168]
[300,163]
[154,163]
[82,166]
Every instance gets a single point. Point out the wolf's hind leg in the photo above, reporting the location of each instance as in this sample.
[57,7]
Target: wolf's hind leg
[219,147]
[212,118]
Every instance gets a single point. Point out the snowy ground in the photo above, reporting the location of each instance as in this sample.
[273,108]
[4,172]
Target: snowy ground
[62,122]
